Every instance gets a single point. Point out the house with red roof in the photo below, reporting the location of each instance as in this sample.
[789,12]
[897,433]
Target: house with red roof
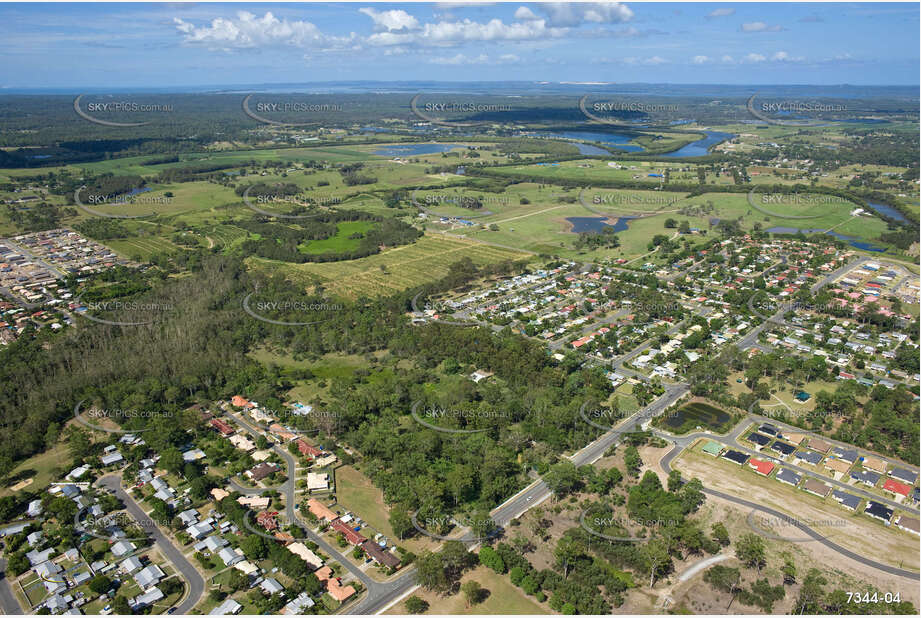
[241,402]
[895,487]
[307,450]
[267,519]
[350,535]
[222,426]
[761,467]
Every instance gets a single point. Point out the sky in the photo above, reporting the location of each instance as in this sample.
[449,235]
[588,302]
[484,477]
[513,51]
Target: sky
[122,45]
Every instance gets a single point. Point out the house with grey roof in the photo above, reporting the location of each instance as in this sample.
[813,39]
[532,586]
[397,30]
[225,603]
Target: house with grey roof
[200,530]
[148,598]
[229,556]
[111,458]
[123,547]
[129,565]
[38,557]
[866,477]
[903,474]
[271,586]
[188,517]
[149,576]
[228,608]
[298,605]
[848,501]
[789,477]
[809,457]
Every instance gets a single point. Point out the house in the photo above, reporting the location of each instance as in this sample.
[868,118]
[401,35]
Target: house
[321,511]
[240,402]
[783,448]
[816,488]
[326,460]
[846,454]
[896,487]
[380,555]
[788,476]
[211,544]
[848,501]
[909,524]
[243,443]
[836,465]
[866,477]
[337,591]
[875,464]
[712,448]
[761,467]
[271,586]
[200,530]
[222,427]
[281,432]
[149,576]
[219,494]
[350,535]
[228,608]
[735,456]
[111,458]
[193,455]
[900,473]
[297,605]
[188,517]
[254,502]
[480,375]
[263,470]
[77,473]
[146,599]
[794,437]
[35,538]
[51,576]
[123,547]
[267,519]
[759,439]
[308,450]
[304,553]
[768,429]
[819,445]
[230,556]
[129,565]
[35,508]
[808,457]
[317,481]
[879,511]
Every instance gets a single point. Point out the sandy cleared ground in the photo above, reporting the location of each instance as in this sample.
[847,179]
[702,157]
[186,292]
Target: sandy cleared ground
[855,532]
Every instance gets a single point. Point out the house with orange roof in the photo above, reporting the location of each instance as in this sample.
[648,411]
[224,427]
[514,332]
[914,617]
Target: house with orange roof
[307,449]
[267,519]
[897,488]
[320,510]
[281,432]
[337,591]
[241,402]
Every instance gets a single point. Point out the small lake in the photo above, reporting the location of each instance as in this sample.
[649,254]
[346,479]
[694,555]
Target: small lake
[617,140]
[889,211]
[414,150]
[138,191]
[595,225]
[854,242]
[701,147]
[693,414]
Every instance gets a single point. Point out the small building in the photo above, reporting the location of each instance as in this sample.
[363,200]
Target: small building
[895,487]
[122,548]
[308,450]
[263,470]
[848,501]
[866,477]
[816,488]
[768,429]
[783,448]
[254,502]
[711,447]
[304,553]
[902,474]
[320,510]
[789,477]
[809,457]
[228,608]
[352,536]
[819,445]
[229,556]
[909,524]
[793,437]
[735,456]
[222,427]
[317,481]
[380,555]
[111,458]
[875,464]
[845,454]
[879,511]
[763,468]
[149,576]
[759,439]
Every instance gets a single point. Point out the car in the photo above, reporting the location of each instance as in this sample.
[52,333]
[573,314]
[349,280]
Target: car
[171,610]
[529,499]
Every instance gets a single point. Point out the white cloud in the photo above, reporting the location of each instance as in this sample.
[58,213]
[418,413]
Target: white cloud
[525,14]
[783,56]
[727,59]
[461,59]
[655,60]
[754,58]
[722,13]
[446,33]
[700,59]
[248,31]
[760,26]
[391,20]
[577,13]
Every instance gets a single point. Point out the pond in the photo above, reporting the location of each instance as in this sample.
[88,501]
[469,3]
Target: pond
[594,225]
[889,211]
[689,417]
[414,150]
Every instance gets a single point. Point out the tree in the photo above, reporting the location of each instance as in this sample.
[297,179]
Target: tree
[415,605]
[657,559]
[400,522]
[473,592]
[100,584]
[171,460]
[750,550]
[516,574]
[254,547]
[491,559]
[529,585]
[720,534]
[430,573]
[788,570]
[568,609]
[674,481]
[632,460]
[563,478]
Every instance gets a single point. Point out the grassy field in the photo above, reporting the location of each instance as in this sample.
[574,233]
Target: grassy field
[355,492]
[42,469]
[393,270]
[340,241]
[504,598]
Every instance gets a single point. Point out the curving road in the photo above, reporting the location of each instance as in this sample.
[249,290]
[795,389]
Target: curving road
[193,578]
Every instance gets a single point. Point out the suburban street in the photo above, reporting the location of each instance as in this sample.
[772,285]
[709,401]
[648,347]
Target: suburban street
[195,583]
[8,602]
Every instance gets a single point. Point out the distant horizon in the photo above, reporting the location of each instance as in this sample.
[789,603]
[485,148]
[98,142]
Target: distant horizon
[557,86]
[176,45]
